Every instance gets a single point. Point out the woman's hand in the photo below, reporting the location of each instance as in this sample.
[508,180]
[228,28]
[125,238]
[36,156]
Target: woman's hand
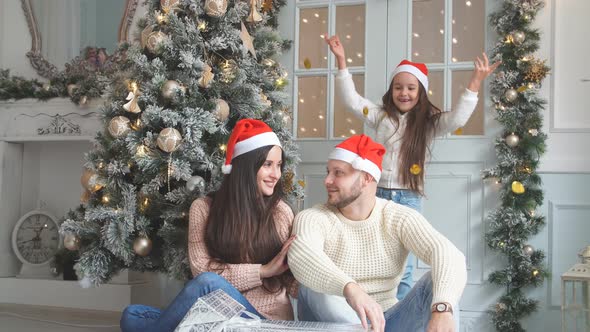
[277,265]
[338,50]
[481,71]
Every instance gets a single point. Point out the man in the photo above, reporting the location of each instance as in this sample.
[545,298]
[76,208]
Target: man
[349,254]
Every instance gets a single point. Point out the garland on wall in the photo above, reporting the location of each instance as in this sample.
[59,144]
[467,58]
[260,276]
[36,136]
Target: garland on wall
[515,90]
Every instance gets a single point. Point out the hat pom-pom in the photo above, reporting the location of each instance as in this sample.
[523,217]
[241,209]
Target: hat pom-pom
[358,163]
[226,169]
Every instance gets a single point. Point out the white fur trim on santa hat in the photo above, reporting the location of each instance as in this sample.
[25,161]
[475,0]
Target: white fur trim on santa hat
[226,169]
[356,161]
[255,142]
[414,71]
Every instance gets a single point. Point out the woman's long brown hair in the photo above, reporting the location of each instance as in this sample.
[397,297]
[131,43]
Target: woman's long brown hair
[421,122]
[241,225]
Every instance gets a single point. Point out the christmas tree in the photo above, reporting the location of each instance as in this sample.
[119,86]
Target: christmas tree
[200,67]
[519,111]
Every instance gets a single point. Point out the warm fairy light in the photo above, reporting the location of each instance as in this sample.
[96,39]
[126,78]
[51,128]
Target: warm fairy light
[532,213]
[105,199]
[141,151]
[101,165]
[145,202]
[223,147]
[202,26]
[535,273]
[501,244]
[161,18]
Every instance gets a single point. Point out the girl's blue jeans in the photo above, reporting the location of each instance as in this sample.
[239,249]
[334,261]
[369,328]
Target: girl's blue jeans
[411,199]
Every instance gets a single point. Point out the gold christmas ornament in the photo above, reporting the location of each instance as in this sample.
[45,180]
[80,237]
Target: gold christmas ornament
[155,40]
[221,110]
[512,140]
[170,87]
[169,5]
[518,37]
[206,77]
[131,105]
[145,33]
[228,71]
[415,169]
[169,140]
[534,132]
[71,89]
[247,40]
[528,250]
[119,126]
[511,95]
[254,15]
[72,242]
[536,71]
[517,188]
[90,180]
[215,8]
[142,245]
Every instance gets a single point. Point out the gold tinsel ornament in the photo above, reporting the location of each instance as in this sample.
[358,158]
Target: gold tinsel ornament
[536,71]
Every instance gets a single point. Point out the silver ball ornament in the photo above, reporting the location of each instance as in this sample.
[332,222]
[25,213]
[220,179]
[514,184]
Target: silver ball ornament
[518,37]
[142,245]
[119,126]
[528,250]
[154,40]
[195,182]
[169,140]
[71,242]
[511,95]
[512,140]
[170,88]
[221,110]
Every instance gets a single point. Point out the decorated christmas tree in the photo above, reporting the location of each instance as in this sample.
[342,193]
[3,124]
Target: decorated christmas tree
[200,66]
[519,148]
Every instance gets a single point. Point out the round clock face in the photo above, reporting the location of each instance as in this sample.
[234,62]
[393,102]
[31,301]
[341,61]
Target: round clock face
[36,238]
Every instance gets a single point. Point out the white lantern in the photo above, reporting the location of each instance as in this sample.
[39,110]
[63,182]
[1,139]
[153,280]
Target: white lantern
[575,295]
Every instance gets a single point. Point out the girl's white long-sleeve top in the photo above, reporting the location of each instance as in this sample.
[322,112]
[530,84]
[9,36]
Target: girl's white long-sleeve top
[387,132]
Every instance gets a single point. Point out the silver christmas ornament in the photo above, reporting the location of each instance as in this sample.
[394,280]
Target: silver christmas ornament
[511,95]
[512,140]
[169,89]
[518,37]
[528,250]
[142,246]
[154,40]
[221,110]
[71,242]
[195,182]
[119,126]
[169,139]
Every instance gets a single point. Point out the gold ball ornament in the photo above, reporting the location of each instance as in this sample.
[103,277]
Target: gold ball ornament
[119,126]
[518,37]
[518,188]
[155,40]
[307,63]
[170,88]
[142,246]
[221,110]
[72,242]
[72,89]
[528,250]
[415,169]
[90,180]
[169,5]
[215,8]
[512,140]
[169,140]
[511,95]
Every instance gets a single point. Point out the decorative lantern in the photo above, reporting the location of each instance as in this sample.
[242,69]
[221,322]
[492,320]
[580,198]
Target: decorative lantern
[575,295]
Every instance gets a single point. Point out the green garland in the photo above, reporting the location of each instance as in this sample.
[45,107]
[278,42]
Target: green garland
[518,149]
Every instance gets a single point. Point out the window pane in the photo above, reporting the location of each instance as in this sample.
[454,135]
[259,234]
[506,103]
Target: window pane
[436,89]
[350,27]
[468,29]
[475,124]
[428,24]
[311,110]
[313,51]
[345,123]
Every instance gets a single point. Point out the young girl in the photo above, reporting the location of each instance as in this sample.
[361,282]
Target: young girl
[406,124]
[238,236]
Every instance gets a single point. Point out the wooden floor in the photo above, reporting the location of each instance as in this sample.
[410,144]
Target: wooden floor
[28,318]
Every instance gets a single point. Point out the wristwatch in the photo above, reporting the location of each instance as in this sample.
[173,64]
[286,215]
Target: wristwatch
[442,307]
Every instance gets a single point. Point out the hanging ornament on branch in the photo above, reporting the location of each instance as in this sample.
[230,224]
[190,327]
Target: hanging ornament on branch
[254,15]
[528,250]
[267,6]
[215,8]
[512,140]
[518,37]
[536,71]
[169,140]
[206,77]
[517,187]
[90,180]
[170,88]
[221,110]
[170,5]
[195,182]
[142,245]
[511,95]
[155,40]
[228,71]
[72,242]
[247,40]
[119,126]
[131,105]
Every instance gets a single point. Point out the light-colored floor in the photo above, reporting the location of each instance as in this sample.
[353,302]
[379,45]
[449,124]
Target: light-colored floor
[27,318]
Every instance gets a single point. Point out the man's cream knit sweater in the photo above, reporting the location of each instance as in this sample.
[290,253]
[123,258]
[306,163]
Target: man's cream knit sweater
[331,251]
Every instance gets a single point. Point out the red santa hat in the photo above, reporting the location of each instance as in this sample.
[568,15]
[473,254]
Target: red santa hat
[248,135]
[362,153]
[415,68]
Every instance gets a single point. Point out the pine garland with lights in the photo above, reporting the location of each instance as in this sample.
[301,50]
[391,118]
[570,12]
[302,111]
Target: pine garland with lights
[201,66]
[519,110]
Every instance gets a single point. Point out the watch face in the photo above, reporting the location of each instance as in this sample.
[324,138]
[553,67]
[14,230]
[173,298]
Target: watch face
[37,239]
[441,307]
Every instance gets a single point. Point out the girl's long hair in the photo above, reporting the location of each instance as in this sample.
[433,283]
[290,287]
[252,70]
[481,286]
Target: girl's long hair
[421,122]
[241,224]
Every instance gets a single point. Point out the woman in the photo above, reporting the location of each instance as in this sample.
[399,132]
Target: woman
[238,236]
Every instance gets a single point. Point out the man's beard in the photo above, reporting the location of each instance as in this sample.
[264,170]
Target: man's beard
[355,193]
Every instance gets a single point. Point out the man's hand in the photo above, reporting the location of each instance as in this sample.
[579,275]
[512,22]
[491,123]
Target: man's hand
[365,307]
[441,322]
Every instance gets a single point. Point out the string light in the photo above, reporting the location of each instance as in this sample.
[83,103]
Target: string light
[535,273]
[223,147]
[105,199]
[202,25]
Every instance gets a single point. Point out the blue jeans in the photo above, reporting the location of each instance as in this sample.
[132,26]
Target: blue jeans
[410,314]
[137,317]
[411,199]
